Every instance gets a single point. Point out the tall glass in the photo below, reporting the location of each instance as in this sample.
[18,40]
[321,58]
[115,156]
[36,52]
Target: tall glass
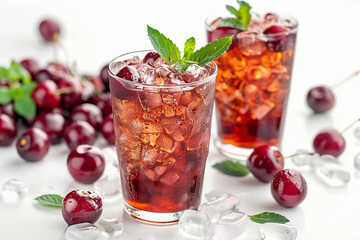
[253,81]
[162,139]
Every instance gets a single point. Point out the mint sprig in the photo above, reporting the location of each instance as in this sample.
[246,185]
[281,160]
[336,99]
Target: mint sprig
[50,200]
[268,217]
[231,168]
[20,90]
[171,53]
[242,16]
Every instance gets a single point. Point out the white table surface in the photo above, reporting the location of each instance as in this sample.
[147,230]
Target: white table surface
[328,47]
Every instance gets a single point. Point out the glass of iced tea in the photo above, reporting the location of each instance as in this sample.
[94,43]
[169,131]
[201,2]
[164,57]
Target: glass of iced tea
[162,125]
[252,86]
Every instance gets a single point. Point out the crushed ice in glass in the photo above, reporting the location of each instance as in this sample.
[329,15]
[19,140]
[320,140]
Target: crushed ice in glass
[231,225]
[110,228]
[276,231]
[82,231]
[219,203]
[14,189]
[108,186]
[194,225]
[357,162]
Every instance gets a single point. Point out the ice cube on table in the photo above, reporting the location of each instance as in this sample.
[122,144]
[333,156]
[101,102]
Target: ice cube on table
[330,170]
[110,157]
[14,189]
[301,158]
[231,225]
[357,162]
[276,231]
[357,132]
[194,225]
[252,232]
[110,228]
[108,186]
[82,231]
[219,204]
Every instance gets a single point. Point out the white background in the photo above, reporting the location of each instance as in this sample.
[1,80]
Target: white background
[328,47]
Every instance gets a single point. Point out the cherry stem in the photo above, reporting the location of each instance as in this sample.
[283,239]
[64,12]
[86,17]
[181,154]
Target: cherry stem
[299,154]
[347,79]
[62,47]
[352,124]
[64,90]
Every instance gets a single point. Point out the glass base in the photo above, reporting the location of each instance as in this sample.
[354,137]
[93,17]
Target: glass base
[233,152]
[152,217]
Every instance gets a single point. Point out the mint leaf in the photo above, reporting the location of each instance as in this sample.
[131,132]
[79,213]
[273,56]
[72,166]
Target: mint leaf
[232,22]
[5,96]
[50,200]
[164,46]
[28,88]
[231,168]
[25,106]
[17,72]
[244,13]
[3,73]
[211,51]
[269,217]
[16,93]
[189,48]
[242,16]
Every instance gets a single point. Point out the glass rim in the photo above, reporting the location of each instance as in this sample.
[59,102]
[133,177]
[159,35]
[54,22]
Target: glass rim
[271,35]
[165,86]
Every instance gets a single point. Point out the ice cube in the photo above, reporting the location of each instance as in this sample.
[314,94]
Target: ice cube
[110,228]
[252,232]
[171,124]
[251,44]
[149,100]
[160,61]
[110,156]
[220,203]
[304,158]
[195,73]
[194,225]
[14,189]
[108,186]
[147,73]
[164,142]
[357,162]
[357,132]
[333,174]
[164,74]
[82,231]
[260,108]
[170,178]
[231,225]
[276,231]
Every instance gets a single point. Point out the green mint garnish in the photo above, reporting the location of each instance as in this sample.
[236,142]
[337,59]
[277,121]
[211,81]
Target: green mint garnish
[231,168]
[171,53]
[241,19]
[269,217]
[50,200]
[20,90]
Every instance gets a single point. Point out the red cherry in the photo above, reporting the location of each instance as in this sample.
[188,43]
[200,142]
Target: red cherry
[45,95]
[103,102]
[264,162]
[87,112]
[86,164]
[221,32]
[107,129]
[31,66]
[329,142]
[104,76]
[128,73]
[320,99]
[276,31]
[289,188]
[8,130]
[51,123]
[33,145]
[49,30]
[278,38]
[150,58]
[81,206]
[72,98]
[78,133]
[8,109]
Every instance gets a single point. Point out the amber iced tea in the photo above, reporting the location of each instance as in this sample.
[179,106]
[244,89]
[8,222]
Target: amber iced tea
[253,80]
[162,124]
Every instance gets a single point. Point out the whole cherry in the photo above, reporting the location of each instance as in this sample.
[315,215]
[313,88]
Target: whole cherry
[33,145]
[103,102]
[320,99]
[8,130]
[51,123]
[87,112]
[31,66]
[78,133]
[86,163]
[45,95]
[81,206]
[264,162]
[8,109]
[71,98]
[150,58]
[49,30]
[107,129]
[329,141]
[289,188]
